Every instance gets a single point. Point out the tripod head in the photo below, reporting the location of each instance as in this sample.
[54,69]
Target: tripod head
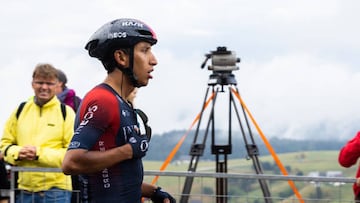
[223,62]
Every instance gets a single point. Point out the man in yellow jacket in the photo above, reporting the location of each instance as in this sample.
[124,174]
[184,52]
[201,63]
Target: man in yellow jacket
[37,135]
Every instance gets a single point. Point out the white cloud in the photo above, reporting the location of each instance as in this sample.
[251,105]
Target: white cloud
[300,91]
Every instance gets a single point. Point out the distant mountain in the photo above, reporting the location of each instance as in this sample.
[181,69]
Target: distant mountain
[162,145]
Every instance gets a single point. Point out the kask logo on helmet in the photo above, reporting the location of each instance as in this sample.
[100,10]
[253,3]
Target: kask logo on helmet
[132,24]
[117,35]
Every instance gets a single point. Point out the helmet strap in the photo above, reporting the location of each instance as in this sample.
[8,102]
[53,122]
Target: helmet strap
[129,71]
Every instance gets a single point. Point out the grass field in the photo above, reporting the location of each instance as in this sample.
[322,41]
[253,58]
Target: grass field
[296,163]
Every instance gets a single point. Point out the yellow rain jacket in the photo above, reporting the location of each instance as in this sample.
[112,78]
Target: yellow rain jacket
[45,128]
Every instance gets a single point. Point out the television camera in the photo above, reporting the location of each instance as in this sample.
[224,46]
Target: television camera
[223,62]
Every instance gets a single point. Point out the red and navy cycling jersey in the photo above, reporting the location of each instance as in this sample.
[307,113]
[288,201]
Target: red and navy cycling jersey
[105,121]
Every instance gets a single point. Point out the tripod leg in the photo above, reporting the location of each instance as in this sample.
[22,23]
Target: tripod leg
[221,183]
[196,151]
[262,182]
[189,181]
[252,150]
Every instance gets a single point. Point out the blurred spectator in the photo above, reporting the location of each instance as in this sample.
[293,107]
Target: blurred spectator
[37,134]
[65,94]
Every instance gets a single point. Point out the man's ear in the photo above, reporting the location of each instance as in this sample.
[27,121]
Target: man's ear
[122,58]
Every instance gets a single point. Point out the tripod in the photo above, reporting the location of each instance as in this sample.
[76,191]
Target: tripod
[218,80]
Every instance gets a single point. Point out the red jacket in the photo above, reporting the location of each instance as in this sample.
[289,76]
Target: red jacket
[349,155]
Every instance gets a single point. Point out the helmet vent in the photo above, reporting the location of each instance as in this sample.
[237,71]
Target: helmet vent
[145,32]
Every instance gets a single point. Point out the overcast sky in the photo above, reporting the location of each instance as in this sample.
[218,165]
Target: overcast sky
[299,70]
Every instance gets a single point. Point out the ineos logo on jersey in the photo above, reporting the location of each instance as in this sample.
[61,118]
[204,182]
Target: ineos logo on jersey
[89,114]
[128,130]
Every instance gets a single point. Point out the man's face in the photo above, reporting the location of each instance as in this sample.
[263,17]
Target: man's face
[144,62]
[44,89]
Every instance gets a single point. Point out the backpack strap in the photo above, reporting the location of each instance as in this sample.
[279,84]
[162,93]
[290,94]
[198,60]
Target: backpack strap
[63,110]
[22,104]
[20,108]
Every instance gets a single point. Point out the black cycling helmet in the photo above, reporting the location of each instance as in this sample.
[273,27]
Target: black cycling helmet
[119,33]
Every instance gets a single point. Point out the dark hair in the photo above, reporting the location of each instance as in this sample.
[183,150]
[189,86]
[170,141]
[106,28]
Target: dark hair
[62,77]
[109,61]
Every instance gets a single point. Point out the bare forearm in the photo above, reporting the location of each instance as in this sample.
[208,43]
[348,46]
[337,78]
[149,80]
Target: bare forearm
[147,189]
[80,161]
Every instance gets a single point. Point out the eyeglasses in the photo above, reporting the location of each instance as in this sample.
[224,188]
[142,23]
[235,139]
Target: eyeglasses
[41,83]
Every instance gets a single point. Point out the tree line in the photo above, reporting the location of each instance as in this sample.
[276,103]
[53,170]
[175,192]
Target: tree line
[162,145]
